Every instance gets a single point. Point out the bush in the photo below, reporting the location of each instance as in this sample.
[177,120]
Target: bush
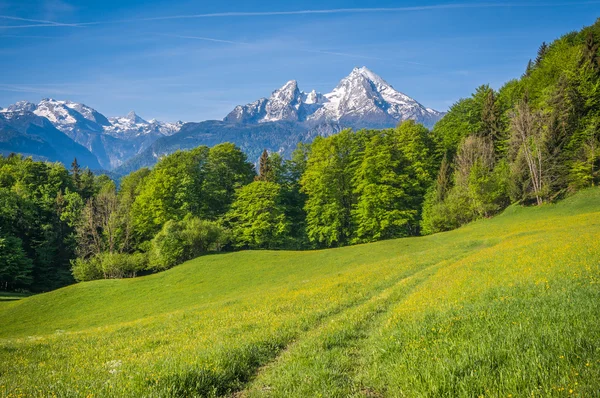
[179,241]
[86,269]
[109,266]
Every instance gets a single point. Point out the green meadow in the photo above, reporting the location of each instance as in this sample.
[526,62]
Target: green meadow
[502,307]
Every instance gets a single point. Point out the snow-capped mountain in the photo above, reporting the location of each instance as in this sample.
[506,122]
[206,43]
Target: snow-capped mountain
[112,141]
[24,132]
[289,116]
[361,99]
[124,144]
[133,125]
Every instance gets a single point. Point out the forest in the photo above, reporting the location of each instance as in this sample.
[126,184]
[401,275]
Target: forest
[533,141]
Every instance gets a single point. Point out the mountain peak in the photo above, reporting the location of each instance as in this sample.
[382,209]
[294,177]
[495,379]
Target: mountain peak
[313,98]
[366,73]
[288,93]
[20,106]
[361,99]
[134,118]
[291,85]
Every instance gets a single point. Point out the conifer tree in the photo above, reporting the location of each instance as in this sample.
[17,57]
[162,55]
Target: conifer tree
[265,168]
[528,69]
[76,173]
[590,53]
[541,53]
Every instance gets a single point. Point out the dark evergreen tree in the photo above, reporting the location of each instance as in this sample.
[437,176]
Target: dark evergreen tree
[529,69]
[541,53]
[590,52]
[490,116]
[265,168]
[76,173]
[15,267]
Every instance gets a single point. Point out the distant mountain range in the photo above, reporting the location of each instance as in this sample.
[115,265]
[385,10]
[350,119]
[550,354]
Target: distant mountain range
[278,123]
[110,141]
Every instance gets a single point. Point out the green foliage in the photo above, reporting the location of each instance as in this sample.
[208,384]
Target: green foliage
[172,190]
[394,173]
[226,171]
[87,269]
[179,241]
[368,185]
[109,266]
[15,267]
[257,217]
[38,206]
[480,188]
[544,131]
[327,182]
[463,119]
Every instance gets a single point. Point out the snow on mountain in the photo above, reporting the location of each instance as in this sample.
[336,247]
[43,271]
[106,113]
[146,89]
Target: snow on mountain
[112,141]
[72,117]
[24,132]
[361,99]
[21,106]
[133,125]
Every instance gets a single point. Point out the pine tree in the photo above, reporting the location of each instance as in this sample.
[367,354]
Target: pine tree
[529,69]
[541,53]
[590,52]
[492,124]
[443,182]
[265,168]
[15,267]
[76,173]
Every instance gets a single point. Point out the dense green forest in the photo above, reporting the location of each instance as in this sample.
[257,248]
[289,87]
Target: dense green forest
[533,141]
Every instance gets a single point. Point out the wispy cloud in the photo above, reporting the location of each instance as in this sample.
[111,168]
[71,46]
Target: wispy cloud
[41,25]
[35,89]
[27,37]
[203,38]
[312,51]
[363,10]
[354,10]
[40,22]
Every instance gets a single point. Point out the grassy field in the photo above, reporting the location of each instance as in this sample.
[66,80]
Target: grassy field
[500,308]
[10,296]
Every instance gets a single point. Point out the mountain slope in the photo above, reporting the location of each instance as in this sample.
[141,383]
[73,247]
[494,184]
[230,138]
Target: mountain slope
[362,99]
[279,136]
[112,141]
[496,307]
[31,135]
[289,115]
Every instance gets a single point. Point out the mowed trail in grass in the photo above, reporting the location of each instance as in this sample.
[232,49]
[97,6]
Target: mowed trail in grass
[508,306]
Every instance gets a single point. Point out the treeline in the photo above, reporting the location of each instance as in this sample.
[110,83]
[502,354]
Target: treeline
[534,140]
[40,205]
[348,188]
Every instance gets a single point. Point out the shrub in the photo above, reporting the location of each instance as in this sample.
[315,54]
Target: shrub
[179,241]
[109,266]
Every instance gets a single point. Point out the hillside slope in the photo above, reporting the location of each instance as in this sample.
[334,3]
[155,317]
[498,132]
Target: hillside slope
[502,306]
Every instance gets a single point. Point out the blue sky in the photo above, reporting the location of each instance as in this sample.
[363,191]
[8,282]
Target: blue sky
[196,60]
